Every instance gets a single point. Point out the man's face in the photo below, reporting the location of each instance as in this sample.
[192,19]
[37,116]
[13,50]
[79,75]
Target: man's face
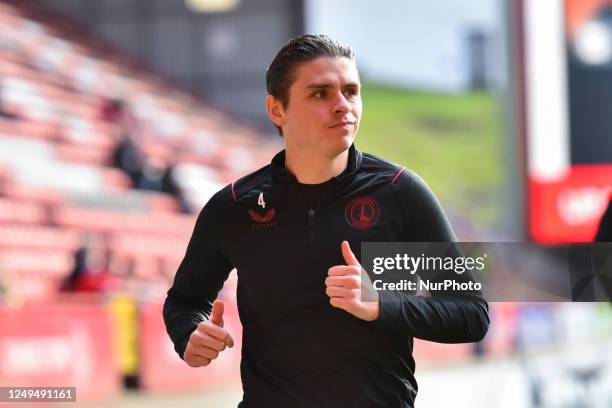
[324,109]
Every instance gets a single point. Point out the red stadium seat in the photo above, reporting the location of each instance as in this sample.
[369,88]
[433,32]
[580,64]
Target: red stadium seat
[39,194]
[12,211]
[29,129]
[162,202]
[98,220]
[80,153]
[45,262]
[115,179]
[37,237]
[138,245]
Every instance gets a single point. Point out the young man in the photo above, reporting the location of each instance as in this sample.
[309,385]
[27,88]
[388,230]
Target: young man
[292,229]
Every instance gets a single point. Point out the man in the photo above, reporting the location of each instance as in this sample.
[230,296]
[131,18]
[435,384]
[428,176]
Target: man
[292,229]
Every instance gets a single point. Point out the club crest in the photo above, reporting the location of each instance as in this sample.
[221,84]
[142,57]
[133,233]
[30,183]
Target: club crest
[362,212]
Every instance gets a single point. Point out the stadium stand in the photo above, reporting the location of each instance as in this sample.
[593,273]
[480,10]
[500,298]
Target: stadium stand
[58,181]
[104,166]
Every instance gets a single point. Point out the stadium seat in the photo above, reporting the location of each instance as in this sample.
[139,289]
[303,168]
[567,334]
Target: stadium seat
[45,262]
[37,237]
[98,220]
[18,211]
[139,245]
[38,194]
[82,153]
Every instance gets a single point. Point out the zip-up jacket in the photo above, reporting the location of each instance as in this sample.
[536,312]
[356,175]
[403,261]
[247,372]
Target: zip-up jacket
[297,349]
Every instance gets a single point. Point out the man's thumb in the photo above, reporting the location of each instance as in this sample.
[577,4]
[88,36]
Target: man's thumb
[349,256]
[216,316]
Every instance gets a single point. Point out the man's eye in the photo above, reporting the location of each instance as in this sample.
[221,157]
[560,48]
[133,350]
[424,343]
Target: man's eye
[351,92]
[320,94]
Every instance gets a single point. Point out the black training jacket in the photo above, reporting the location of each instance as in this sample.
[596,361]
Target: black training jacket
[297,349]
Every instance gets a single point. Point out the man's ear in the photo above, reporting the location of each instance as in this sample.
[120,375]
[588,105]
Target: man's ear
[275,110]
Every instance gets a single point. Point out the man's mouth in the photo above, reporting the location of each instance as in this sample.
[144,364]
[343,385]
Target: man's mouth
[344,124]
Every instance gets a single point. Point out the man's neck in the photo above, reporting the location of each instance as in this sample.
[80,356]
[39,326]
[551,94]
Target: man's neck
[314,169]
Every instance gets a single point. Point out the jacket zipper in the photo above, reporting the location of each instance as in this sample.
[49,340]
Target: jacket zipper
[311,214]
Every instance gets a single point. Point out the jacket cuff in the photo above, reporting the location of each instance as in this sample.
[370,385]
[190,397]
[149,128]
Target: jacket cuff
[180,347]
[390,309]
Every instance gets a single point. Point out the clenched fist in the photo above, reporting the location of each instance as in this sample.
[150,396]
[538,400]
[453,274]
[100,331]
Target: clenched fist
[208,339]
[347,286]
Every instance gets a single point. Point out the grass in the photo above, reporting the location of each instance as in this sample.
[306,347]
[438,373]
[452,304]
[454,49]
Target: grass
[453,141]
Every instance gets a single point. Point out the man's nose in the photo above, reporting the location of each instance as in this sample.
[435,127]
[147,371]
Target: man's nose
[341,105]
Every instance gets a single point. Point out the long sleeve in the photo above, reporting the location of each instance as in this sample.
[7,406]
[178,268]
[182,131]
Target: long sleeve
[445,317]
[199,277]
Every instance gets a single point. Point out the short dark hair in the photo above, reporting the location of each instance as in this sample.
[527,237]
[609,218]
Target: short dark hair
[279,76]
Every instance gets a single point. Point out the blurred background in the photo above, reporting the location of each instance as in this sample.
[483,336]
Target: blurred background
[120,118]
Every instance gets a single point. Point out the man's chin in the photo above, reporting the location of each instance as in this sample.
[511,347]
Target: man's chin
[343,144]
[348,140]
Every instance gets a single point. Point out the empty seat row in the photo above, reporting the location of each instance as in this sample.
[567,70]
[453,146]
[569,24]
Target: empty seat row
[17,211]
[19,236]
[99,220]
[54,262]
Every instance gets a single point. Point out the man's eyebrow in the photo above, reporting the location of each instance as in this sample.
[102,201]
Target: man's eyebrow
[318,86]
[324,86]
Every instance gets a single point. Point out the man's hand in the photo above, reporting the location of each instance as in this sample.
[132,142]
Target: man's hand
[208,339]
[347,286]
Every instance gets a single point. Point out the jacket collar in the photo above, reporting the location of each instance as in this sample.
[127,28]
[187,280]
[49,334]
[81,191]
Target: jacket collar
[281,174]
